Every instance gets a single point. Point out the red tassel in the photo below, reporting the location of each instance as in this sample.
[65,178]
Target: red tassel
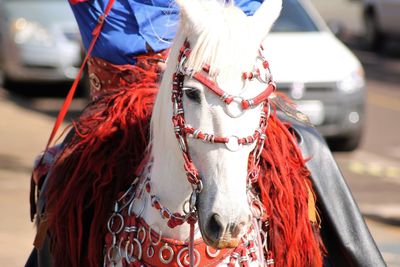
[284,182]
[95,167]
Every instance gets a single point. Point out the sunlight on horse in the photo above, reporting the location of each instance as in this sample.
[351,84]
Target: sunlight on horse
[224,38]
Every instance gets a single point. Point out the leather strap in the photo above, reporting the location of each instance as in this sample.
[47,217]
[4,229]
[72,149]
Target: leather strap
[67,102]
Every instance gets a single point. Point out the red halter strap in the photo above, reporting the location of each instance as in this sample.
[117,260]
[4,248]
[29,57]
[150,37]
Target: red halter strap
[213,86]
[227,98]
[182,130]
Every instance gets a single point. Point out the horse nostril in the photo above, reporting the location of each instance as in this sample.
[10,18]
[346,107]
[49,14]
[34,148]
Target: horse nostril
[215,227]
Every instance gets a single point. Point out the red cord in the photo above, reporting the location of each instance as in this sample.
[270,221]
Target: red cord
[67,102]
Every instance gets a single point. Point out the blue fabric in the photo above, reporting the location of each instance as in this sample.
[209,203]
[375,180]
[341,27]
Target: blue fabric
[133,23]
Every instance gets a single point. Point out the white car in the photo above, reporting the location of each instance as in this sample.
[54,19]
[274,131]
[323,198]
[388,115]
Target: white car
[318,72]
[39,41]
[381,20]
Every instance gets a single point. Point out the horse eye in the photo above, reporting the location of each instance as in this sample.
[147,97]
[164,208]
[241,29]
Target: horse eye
[193,94]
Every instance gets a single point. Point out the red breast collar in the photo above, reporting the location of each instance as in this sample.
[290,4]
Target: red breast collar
[133,242]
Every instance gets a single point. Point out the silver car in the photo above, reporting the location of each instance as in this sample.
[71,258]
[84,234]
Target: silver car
[318,72]
[39,41]
[381,20]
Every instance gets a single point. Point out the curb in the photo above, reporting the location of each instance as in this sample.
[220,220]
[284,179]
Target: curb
[388,214]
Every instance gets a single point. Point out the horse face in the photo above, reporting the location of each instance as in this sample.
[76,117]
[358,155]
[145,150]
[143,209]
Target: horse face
[232,41]
[228,41]
[224,213]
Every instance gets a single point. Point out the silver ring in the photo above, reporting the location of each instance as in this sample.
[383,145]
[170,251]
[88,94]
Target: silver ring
[234,109]
[182,143]
[150,251]
[129,251]
[130,198]
[171,256]
[186,207]
[111,223]
[130,208]
[159,236]
[178,258]
[211,254]
[139,247]
[141,230]
[197,187]
[130,256]
[233,143]
[112,255]
[266,77]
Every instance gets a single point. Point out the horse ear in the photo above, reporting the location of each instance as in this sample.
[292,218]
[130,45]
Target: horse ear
[193,11]
[265,16]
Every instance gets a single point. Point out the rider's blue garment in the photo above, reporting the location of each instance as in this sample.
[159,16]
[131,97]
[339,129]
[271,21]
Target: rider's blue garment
[133,26]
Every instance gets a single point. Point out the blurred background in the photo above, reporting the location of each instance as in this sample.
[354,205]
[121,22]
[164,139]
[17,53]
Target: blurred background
[339,60]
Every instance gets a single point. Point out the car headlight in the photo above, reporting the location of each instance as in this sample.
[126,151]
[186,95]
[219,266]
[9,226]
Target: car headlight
[25,31]
[353,82]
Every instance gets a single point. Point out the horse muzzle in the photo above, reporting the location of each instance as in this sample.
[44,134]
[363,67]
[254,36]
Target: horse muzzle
[220,234]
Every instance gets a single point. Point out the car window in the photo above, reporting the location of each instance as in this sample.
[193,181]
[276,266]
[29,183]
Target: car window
[294,18]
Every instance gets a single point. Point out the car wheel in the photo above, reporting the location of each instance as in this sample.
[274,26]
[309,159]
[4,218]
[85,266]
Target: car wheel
[374,39]
[346,143]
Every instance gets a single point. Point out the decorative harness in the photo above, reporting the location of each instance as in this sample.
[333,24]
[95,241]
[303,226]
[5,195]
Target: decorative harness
[131,241]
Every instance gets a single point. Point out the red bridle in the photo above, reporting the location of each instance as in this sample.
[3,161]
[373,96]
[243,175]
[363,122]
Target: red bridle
[233,143]
[182,130]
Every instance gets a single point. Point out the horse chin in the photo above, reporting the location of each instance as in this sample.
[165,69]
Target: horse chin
[232,243]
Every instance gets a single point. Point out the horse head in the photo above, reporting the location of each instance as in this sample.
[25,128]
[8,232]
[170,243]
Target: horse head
[217,55]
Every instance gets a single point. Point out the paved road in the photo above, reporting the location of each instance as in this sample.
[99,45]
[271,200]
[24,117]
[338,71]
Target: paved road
[373,171]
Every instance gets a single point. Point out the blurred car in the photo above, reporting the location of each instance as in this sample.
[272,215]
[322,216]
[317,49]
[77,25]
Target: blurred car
[318,72]
[39,41]
[381,20]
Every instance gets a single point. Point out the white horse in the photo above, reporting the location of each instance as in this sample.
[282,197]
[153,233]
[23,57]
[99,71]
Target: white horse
[224,43]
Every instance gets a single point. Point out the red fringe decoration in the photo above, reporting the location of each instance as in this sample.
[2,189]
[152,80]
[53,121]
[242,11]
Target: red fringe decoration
[101,159]
[99,162]
[284,182]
